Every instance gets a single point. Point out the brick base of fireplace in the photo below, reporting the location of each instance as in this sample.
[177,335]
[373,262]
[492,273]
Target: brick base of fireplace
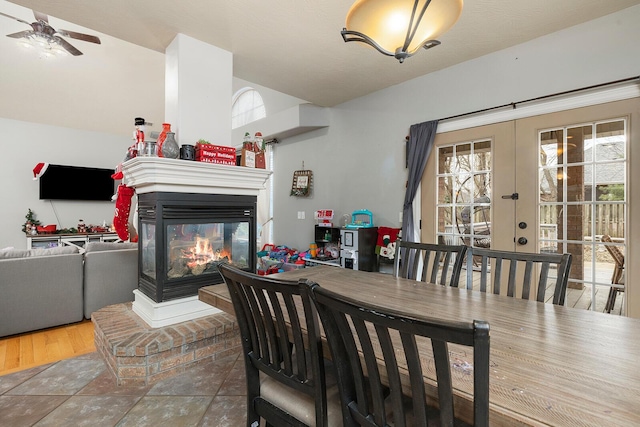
[137,354]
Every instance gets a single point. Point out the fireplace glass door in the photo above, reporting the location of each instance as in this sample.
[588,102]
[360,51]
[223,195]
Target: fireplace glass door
[195,249]
[183,239]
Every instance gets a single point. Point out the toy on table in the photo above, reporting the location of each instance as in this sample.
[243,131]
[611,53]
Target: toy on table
[361,219]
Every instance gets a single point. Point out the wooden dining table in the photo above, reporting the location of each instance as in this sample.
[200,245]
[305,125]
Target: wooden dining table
[549,364]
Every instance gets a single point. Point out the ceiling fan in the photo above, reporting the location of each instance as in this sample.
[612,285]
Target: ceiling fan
[46,36]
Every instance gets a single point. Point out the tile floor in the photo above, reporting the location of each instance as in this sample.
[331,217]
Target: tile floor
[81,392]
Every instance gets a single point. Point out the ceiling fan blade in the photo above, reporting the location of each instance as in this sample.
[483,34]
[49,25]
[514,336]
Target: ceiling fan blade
[67,46]
[79,36]
[20,35]
[17,19]
[41,16]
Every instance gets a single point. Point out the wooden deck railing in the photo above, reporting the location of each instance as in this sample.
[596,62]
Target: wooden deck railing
[609,219]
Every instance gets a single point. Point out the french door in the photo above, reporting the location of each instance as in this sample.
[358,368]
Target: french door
[550,183]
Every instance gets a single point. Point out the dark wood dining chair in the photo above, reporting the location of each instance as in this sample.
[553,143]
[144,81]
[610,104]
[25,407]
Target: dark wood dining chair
[395,350]
[617,278]
[441,263]
[500,270]
[285,372]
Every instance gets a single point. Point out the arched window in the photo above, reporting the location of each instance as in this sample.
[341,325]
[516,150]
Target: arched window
[247,107]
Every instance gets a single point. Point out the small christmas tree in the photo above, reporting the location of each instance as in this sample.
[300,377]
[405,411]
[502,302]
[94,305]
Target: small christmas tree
[31,221]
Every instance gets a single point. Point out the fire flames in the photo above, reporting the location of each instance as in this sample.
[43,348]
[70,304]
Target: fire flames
[202,254]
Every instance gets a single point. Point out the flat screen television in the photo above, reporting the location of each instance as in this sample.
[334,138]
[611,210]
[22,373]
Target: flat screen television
[61,182]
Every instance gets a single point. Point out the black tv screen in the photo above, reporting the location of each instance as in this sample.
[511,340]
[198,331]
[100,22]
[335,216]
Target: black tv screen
[60,182]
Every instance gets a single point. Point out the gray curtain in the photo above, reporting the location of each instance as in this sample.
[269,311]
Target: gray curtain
[419,147]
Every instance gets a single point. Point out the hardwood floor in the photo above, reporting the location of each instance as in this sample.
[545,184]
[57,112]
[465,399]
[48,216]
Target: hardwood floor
[24,351]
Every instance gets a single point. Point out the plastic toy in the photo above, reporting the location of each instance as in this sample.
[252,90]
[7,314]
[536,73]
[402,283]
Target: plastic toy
[361,219]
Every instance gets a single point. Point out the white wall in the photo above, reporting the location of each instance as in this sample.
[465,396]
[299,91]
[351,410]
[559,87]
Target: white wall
[75,111]
[359,161]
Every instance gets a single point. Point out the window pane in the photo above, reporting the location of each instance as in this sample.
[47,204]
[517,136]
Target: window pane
[579,144]
[464,193]
[610,141]
[445,156]
[549,184]
[445,220]
[247,107]
[578,183]
[462,161]
[550,147]
[482,156]
[445,189]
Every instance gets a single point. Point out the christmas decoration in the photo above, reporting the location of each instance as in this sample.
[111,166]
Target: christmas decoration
[39,170]
[31,222]
[123,208]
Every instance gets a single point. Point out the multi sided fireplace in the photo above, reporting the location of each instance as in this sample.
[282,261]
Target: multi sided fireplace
[185,236]
[215,196]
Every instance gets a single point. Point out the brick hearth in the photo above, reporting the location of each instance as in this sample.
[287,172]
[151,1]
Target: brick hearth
[137,354]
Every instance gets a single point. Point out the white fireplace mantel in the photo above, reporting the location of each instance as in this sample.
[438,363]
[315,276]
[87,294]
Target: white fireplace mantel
[158,174]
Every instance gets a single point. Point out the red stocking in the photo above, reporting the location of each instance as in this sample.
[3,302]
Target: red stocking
[123,207]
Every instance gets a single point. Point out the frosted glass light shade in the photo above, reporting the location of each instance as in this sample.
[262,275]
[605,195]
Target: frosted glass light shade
[385,24]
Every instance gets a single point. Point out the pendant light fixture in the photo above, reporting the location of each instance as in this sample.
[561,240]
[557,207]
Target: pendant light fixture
[399,28]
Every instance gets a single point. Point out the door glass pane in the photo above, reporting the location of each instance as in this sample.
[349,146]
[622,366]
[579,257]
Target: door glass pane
[549,184]
[578,180]
[464,188]
[446,221]
[582,198]
[611,141]
[548,230]
[482,156]
[579,141]
[462,158]
[445,156]
[445,189]
[551,143]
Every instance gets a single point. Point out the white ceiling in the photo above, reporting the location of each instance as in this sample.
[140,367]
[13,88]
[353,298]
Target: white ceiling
[295,46]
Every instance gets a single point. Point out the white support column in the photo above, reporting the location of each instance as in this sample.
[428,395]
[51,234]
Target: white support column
[198,91]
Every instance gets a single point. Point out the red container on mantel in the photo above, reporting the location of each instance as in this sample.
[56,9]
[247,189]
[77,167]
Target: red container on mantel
[217,154]
[46,229]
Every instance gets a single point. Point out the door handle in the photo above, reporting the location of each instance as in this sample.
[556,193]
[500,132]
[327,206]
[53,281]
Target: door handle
[522,240]
[512,196]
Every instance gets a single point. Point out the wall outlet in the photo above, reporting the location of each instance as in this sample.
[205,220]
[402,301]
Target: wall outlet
[400,217]
[301,215]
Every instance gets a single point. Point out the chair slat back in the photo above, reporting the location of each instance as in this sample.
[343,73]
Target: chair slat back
[279,337]
[500,272]
[440,263]
[380,359]
[617,255]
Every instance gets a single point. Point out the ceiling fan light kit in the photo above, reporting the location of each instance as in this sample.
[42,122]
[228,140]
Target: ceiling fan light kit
[400,28]
[46,38]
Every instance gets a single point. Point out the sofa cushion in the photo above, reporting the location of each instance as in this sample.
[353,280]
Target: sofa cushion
[109,246]
[26,253]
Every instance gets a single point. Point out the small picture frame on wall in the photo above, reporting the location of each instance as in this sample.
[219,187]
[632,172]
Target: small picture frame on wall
[301,185]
